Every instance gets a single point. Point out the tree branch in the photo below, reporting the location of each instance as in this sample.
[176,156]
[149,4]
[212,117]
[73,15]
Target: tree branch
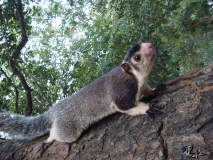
[16,54]
[186,120]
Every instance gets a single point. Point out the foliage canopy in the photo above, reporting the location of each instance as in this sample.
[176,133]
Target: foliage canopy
[70,43]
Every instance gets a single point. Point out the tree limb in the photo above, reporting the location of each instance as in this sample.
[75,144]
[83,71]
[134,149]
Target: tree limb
[16,54]
[186,120]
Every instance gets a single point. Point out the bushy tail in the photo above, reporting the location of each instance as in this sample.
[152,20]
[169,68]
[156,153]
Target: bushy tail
[21,127]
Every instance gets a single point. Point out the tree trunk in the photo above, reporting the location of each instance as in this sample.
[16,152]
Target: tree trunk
[186,120]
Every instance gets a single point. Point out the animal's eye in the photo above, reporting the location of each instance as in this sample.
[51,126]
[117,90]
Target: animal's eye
[137,58]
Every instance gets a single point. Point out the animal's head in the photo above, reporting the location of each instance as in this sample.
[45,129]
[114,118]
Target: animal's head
[139,59]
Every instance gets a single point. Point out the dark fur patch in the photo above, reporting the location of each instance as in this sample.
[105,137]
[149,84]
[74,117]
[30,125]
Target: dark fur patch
[132,51]
[124,89]
[121,86]
[135,66]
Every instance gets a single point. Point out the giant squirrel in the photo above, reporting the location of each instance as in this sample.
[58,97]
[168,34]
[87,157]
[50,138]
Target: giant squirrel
[119,90]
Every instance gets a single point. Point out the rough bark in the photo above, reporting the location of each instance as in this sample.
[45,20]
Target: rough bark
[187,119]
[15,55]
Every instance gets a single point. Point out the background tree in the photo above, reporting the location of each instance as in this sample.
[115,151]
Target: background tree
[70,43]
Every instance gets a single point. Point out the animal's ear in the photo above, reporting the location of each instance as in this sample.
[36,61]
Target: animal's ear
[127,67]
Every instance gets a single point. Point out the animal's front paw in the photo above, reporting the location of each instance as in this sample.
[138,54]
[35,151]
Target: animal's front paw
[160,88]
[153,110]
[146,99]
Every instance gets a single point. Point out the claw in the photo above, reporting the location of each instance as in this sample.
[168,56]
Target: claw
[160,88]
[146,99]
[151,115]
[157,111]
[153,110]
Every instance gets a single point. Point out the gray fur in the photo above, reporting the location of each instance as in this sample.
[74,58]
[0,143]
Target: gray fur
[87,106]
[21,127]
